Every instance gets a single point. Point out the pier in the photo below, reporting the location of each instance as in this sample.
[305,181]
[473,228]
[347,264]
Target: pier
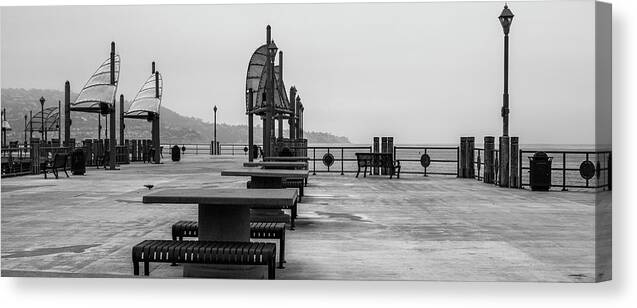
[424,228]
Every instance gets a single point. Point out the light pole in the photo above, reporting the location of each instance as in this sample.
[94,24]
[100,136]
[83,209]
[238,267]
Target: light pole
[506,17]
[42,100]
[215,129]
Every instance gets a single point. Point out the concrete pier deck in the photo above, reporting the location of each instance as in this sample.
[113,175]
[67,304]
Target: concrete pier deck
[413,228]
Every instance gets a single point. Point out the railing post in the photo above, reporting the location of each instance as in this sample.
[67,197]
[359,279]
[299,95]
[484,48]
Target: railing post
[520,167]
[587,179]
[458,161]
[564,172]
[314,159]
[342,160]
[609,172]
[425,167]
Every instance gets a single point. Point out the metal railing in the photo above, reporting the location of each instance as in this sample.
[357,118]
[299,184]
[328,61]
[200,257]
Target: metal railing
[16,161]
[344,158]
[204,148]
[480,163]
[565,168]
[443,160]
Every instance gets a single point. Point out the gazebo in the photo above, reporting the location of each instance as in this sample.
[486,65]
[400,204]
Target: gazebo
[146,105]
[97,96]
[51,122]
[266,97]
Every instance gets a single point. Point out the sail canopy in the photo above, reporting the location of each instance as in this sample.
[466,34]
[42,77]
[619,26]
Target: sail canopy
[5,125]
[51,120]
[147,99]
[98,92]
[256,79]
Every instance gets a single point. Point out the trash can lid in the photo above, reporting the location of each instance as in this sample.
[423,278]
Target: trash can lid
[540,155]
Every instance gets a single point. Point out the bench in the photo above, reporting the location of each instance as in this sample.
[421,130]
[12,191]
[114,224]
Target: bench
[378,160]
[59,162]
[258,230]
[295,183]
[204,252]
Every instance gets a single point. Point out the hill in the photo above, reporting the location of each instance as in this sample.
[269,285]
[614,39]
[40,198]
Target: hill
[175,128]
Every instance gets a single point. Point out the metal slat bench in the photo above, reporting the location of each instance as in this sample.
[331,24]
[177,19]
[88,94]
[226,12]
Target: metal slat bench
[203,252]
[295,183]
[59,162]
[258,230]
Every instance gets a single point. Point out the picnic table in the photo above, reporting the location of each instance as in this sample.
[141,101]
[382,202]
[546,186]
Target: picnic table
[286,158]
[277,165]
[223,215]
[267,178]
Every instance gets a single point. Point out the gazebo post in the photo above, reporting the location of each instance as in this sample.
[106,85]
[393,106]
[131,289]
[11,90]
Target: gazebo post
[25,130]
[30,126]
[250,125]
[280,114]
[59,124]
[292,119]
[67,114]
[155,129]
[122,126]
[113,142]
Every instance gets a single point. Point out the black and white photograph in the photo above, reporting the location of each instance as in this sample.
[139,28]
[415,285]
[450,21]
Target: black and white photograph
[421,141]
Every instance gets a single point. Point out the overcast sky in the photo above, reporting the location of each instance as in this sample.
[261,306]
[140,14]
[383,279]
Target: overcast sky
[423,73]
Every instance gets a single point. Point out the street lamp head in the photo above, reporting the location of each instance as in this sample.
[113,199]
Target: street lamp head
[272,48]
[42,100]
[506,18]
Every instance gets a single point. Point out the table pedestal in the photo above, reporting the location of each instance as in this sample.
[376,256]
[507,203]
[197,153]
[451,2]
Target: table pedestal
[224,223]
[258,182]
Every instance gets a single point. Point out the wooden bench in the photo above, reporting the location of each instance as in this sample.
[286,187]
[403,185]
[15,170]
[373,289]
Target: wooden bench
[378,160]
[204,252]
[258,230]
[59,162]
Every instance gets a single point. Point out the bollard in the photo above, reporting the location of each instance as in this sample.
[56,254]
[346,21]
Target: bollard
[470,169]
[504,161]
[376,149]
[489,147]
[462,163]
[383,149]
[515,156]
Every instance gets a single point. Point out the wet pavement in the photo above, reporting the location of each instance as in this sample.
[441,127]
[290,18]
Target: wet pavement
[412,228]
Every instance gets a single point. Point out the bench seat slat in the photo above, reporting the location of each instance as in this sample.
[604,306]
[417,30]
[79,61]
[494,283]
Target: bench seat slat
[203,252]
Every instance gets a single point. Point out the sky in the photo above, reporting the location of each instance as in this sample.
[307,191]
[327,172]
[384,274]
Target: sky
[424,73]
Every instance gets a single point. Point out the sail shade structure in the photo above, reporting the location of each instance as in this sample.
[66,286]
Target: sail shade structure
[51,120]
[256,81]
[98,92]
[5,125]
[148,99]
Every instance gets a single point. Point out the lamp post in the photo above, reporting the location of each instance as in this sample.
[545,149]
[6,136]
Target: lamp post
[42,100]
[215,128]
[506,17]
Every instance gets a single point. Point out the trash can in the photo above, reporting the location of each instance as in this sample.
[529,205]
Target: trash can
[176,153]
[540,171]
[78,162]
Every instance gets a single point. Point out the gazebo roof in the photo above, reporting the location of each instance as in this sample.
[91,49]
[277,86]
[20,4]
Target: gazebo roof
[98,90]
[256,80]
[51,119]
[146,100]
